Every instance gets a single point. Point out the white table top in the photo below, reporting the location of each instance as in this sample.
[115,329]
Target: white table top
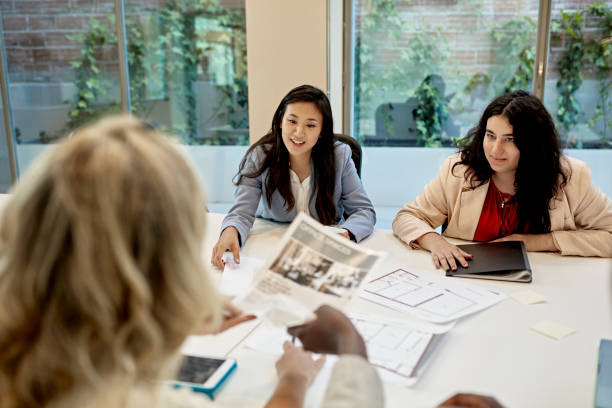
[492,352]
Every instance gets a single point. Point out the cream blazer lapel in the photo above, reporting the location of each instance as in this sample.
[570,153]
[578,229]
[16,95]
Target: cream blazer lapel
[468,206]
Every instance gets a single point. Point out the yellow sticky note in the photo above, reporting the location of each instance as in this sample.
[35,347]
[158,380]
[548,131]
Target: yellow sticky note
[553,330]
[528,297]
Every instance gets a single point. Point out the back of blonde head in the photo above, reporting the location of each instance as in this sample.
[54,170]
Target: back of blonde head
[101,276]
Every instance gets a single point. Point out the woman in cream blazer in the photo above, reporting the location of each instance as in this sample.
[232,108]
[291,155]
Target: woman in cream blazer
[515,145]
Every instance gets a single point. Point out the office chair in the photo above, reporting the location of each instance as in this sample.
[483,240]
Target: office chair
[355,149]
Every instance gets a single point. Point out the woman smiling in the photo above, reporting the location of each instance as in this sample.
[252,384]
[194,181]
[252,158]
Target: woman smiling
[298,166]
[510,182]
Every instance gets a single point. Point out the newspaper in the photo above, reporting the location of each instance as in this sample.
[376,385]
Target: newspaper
[311,266]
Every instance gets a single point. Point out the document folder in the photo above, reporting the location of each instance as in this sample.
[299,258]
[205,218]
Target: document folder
[505,261]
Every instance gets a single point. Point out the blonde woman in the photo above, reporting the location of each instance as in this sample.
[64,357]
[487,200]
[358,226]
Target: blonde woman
[101,276]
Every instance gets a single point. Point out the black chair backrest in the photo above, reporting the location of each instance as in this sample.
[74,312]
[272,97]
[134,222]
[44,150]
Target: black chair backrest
[355,149]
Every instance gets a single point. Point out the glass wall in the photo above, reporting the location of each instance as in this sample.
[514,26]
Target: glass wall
[188,71]
[424,71]
[5,167]
[187,68]
[62,65]
[579,78]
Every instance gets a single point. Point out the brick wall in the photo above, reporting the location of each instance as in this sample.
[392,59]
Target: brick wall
[35,34]
[38,48]
[467,26]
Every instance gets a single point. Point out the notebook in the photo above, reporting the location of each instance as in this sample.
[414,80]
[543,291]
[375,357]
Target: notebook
[496,260]
[603,390]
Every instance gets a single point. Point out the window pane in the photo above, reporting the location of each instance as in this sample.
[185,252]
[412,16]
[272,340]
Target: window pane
[62,63]
[424,71]
[579,82]
[5,168]
[62,66]
[188,71]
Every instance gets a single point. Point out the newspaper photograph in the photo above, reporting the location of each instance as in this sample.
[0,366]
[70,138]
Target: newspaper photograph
[311,266]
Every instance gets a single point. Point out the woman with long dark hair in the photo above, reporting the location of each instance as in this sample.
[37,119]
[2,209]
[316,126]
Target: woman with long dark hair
[510,182]
[297,166]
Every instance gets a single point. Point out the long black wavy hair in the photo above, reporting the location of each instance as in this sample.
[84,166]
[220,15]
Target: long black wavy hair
[276,156]
[539,175]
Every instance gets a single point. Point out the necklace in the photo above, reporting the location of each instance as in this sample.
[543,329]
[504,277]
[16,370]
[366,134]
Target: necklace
[503,198]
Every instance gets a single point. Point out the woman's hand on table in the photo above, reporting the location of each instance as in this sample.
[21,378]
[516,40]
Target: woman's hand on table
[228,241]
[344,232]
[471,401]
[232,316]
[331,332]
[443,253]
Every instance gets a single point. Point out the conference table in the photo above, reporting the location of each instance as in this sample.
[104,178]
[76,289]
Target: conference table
[492,352]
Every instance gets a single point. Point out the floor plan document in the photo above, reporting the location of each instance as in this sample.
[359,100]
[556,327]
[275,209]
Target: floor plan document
[397,348]
[437,301]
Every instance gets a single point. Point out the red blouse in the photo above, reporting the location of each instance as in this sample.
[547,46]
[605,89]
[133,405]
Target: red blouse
[498,217]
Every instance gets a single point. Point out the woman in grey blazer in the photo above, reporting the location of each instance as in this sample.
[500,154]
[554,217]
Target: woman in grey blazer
[297,166]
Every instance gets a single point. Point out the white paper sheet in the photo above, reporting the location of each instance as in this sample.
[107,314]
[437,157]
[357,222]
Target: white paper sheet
[437,301]
[237,278]
[396,348]
[218,345]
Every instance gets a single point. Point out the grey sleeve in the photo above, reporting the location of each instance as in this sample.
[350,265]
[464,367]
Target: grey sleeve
[360,214]
[247,196]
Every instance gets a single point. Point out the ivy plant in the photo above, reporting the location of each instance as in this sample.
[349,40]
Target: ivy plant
[172,69]
[89,79]
[514,41]
[584,54]
[426,53]
[598,53]
[431,112]
[569,111]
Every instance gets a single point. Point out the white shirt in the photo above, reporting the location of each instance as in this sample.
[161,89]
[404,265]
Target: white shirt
[300,191]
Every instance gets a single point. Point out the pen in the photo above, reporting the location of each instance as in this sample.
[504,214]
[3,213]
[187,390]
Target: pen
[293,339]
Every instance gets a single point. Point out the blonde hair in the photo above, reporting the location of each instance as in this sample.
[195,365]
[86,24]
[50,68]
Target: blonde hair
[101,274]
